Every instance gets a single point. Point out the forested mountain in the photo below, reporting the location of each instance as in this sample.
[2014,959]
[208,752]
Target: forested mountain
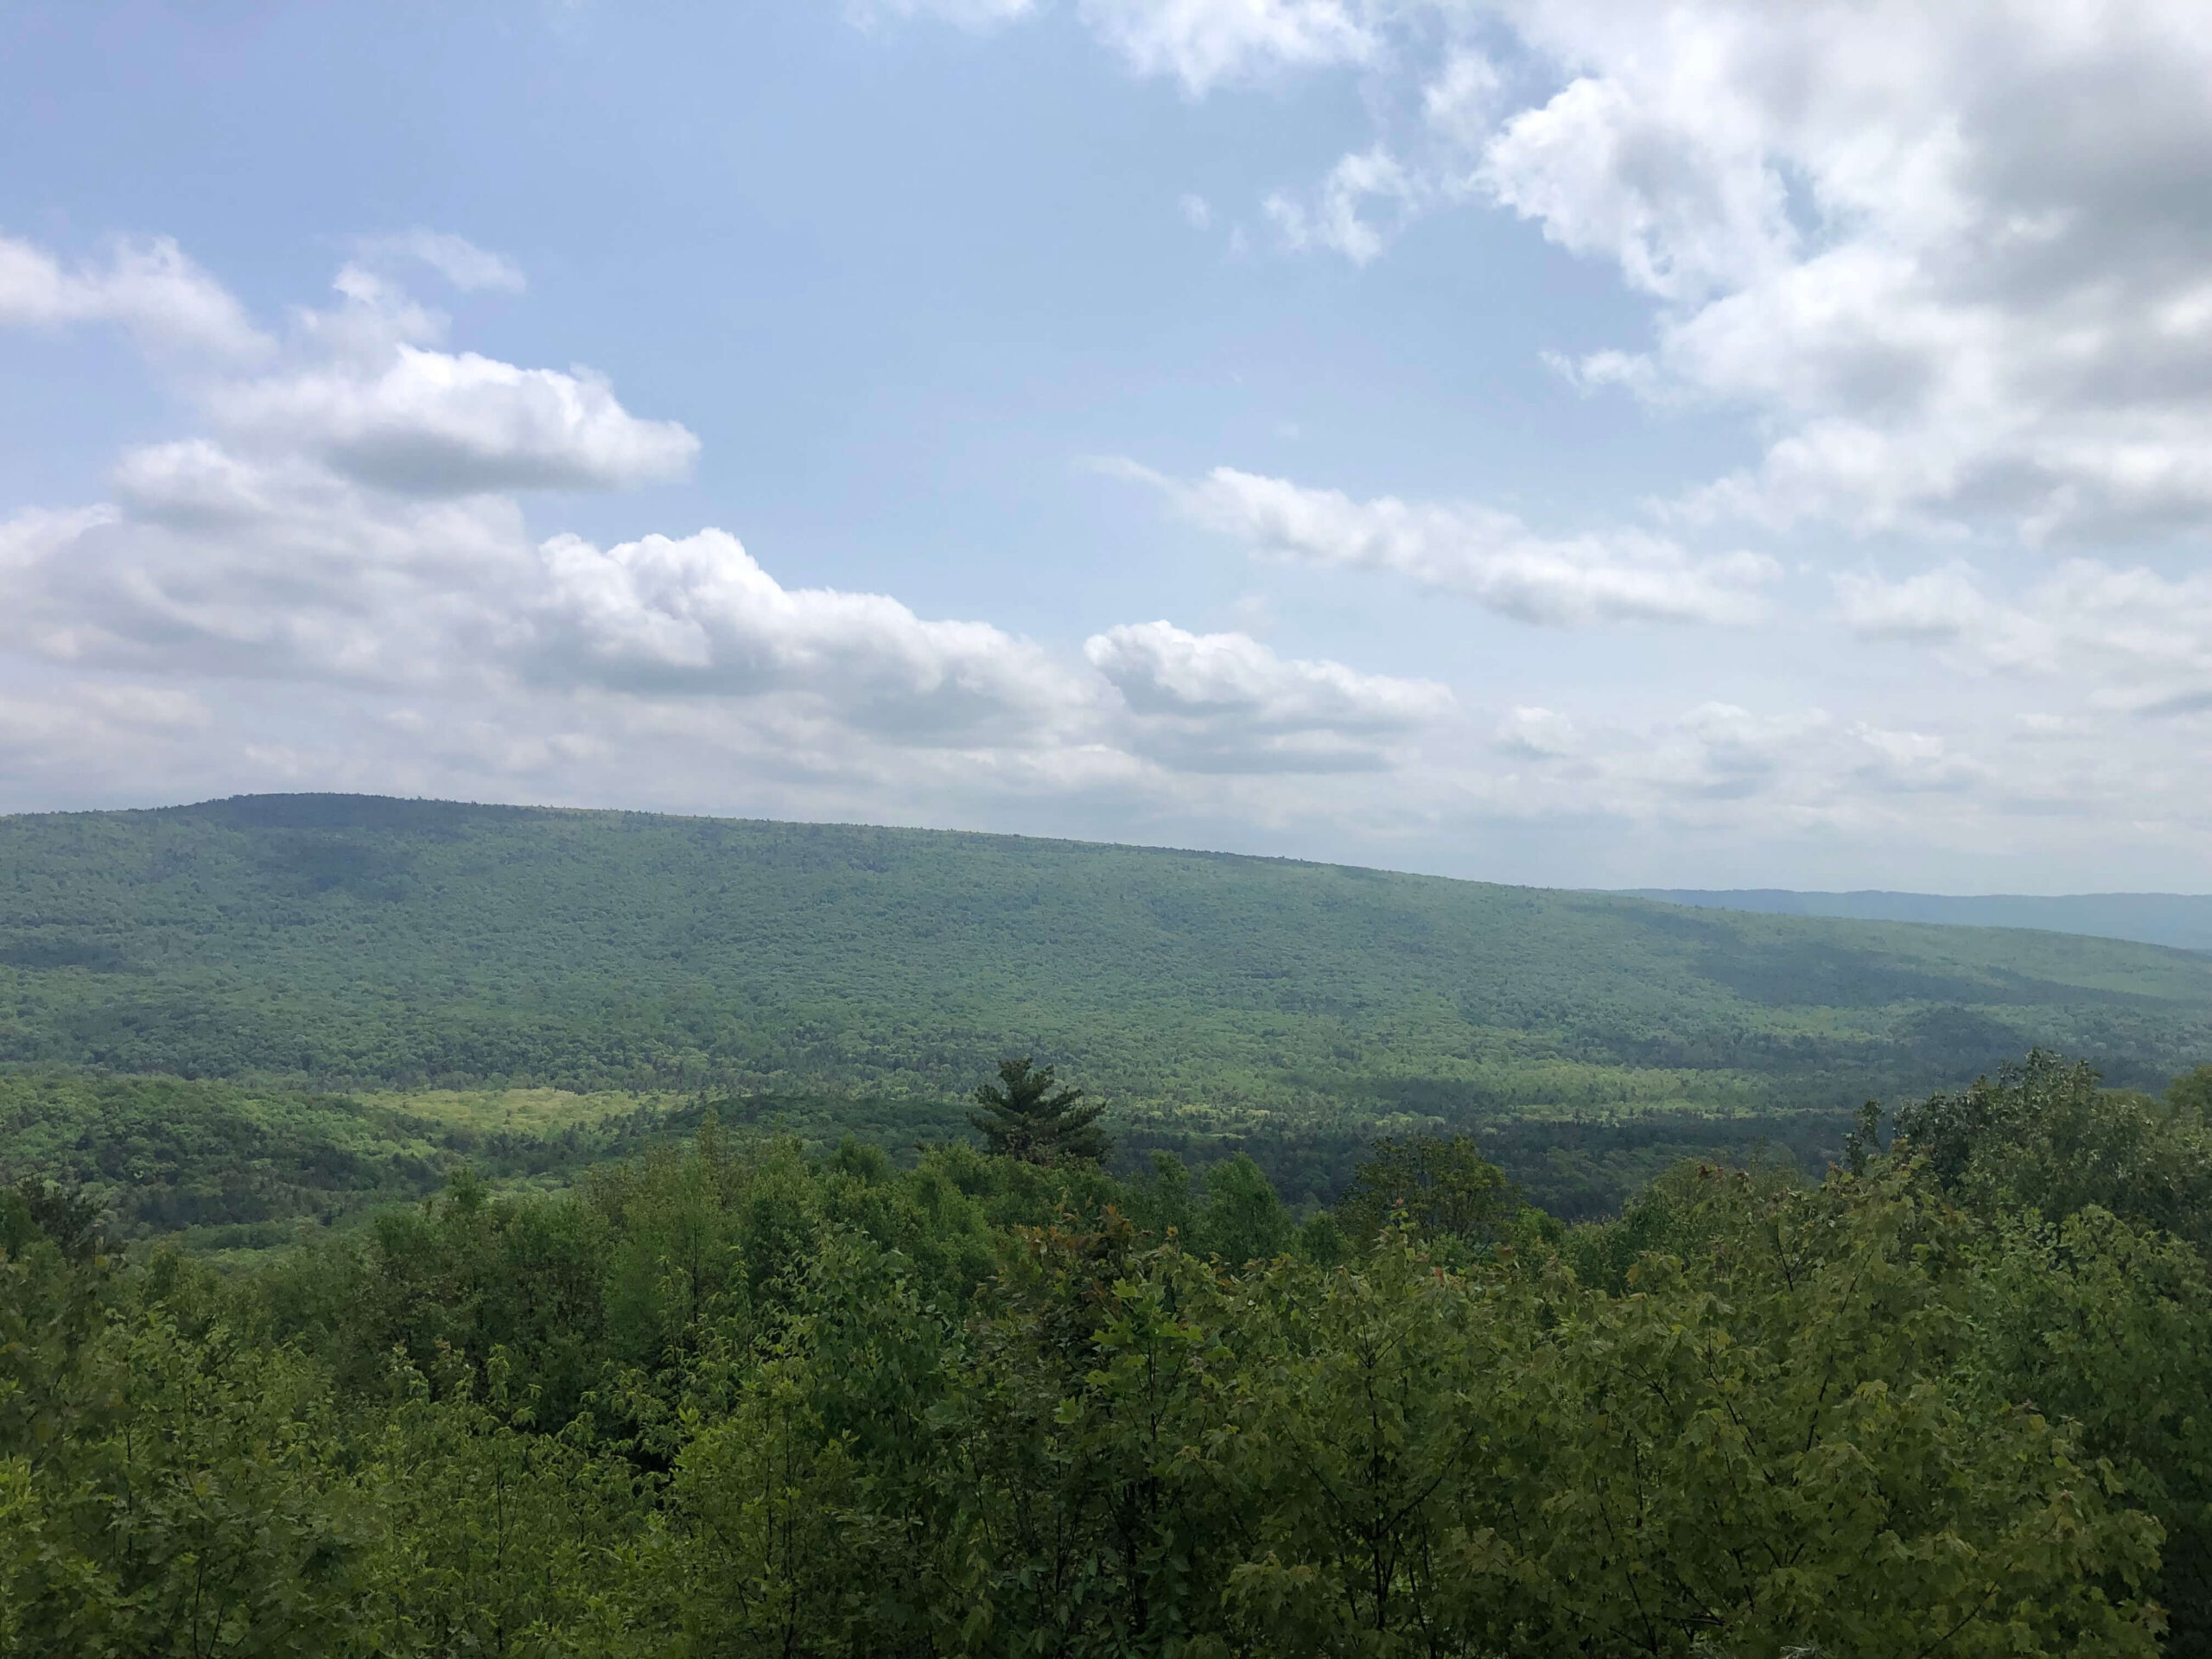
[353,940]
[2182,920]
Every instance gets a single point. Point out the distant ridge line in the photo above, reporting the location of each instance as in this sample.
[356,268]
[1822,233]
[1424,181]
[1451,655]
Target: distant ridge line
[2180,921]
[2174,921]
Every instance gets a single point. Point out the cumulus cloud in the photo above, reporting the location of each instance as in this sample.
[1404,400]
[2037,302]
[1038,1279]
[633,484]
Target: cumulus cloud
[39,534]
[1933,606]
[1676,197]
[1718,751]
[698,615]
[347,529]
[1202,42]
[1951,258]
[360,389]
[1224,702]
[146,286]
[1910,762]
[1483,553]
[210,565]
[428,423]
[1923,242]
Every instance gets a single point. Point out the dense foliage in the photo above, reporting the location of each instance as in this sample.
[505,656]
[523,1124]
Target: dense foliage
[220,1165]
[731,1399]
[352,941]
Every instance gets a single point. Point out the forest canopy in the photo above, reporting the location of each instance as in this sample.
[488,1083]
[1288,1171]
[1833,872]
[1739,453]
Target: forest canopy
[726,1397]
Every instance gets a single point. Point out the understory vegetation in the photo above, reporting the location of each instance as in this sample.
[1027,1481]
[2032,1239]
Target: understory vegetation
[727,1396]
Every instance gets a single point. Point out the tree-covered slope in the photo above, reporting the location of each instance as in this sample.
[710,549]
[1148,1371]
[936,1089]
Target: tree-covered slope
[356,939]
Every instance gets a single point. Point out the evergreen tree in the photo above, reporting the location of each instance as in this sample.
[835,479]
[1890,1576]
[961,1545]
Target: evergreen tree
[1030,1120]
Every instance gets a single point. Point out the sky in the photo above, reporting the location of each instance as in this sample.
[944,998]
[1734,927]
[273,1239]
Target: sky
[1582,443]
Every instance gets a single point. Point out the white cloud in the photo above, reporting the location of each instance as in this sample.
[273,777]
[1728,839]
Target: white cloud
[430,422]
[1717,771]
[1954,255]
[1950,259]
[700,615]
[209,565]
[1934,606]
[346,531]
[1197,212]
[213,569]
[274,553]
[1912,762]
[1461,100]
[146,286]
[1204,42]
[1489,555]
[2129,639]
[1201,43]
[1536,733]
[37,534]
[214,566]
[564,658]
[966,14]
[1333,220]
[96,721]
[196,482]
[360,388]
[457,259]
[1667,185]
[1225,702]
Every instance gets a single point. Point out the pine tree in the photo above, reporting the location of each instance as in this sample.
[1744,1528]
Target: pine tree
[1030,1119]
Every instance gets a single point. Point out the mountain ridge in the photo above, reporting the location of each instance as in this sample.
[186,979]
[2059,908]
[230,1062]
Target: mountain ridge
[364,938]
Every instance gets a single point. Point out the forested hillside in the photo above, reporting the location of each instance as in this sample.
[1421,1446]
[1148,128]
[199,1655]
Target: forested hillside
[358,940]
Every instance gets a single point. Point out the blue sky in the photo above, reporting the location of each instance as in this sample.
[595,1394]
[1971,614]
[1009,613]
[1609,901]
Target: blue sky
[1554,441]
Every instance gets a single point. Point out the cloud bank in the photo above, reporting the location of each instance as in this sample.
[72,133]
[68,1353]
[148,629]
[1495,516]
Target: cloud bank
[337,573]
[1943,268]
